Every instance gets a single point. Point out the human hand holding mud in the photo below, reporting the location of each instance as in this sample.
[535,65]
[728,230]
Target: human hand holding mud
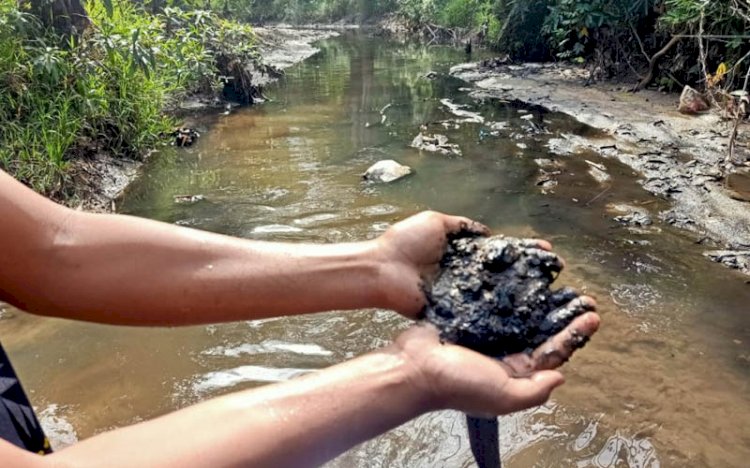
[493,295]
[411,251]
[188,277]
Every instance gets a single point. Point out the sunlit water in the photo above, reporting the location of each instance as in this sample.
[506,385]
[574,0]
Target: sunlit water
[665,383]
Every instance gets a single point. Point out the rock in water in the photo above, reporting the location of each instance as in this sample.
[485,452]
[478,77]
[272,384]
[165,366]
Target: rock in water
[435,144]
[493,295]
[386,171]
[692,102]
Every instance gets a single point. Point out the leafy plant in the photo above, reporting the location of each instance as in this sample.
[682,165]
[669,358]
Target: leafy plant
[105,91]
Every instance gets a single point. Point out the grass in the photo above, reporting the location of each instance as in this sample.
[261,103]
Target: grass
[63,100]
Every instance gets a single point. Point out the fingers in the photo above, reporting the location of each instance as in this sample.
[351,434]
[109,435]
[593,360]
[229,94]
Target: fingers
[459,224]
[560,318]
[558,349]
[532,391]
[543,244]
[563,296]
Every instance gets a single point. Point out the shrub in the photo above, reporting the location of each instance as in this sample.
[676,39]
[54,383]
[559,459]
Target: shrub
[105,91]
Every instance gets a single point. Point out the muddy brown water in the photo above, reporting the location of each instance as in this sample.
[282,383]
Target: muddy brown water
[665,383]
[739,184]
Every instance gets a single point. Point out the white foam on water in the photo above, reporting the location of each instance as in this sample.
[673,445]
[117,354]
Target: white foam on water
[269,346]
[229,378]
[58,430]
[275,229]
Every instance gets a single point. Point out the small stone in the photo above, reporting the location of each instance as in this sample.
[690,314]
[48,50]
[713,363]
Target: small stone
[386,171]
[692,102]
[436,144]
[598,172]
[188,199]
[632,216]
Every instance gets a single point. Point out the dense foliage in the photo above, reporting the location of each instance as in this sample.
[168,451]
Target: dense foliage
[66,98]
[617,37]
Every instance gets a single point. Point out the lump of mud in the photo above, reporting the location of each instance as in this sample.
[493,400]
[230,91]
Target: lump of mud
[493,295]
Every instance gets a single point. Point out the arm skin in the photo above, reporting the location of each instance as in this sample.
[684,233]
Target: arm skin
[307,421]
[124,270]
[121,270]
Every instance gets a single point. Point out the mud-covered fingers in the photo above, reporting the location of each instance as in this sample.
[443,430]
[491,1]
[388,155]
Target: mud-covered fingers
[459,224]
[563,296]
[561,317]
[538,257]
[557,350]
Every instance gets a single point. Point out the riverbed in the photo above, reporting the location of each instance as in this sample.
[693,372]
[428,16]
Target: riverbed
[665,382]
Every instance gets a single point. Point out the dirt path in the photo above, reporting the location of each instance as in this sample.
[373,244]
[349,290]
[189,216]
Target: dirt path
[678,156]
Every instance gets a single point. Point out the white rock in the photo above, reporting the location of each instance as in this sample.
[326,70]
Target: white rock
[598,172]
[386,171]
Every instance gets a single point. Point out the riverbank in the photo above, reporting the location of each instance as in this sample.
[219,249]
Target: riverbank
[100,180]
[679,158]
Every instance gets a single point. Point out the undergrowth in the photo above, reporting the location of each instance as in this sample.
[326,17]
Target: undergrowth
[63,99]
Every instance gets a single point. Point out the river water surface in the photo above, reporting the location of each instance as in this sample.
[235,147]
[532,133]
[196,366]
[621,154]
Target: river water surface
[665,383]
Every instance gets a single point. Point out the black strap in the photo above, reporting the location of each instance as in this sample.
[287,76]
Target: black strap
[18,423]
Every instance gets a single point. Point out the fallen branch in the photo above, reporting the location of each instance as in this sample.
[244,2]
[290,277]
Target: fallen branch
[741,8]
[654,62]
[704,59]
[733,137]
[737,120]
[588,203]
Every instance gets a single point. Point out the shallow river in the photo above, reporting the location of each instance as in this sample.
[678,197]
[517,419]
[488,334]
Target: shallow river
[665,383]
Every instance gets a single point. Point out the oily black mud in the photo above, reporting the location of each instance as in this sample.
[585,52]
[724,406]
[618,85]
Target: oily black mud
[493,295]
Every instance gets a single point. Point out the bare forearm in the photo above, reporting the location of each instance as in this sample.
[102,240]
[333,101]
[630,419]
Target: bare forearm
[124,270]
[304,422]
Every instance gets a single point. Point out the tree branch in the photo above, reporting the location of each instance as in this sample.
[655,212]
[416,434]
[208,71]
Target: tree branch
[654,62]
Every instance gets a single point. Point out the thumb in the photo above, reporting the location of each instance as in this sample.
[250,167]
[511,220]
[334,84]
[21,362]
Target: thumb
[528,392]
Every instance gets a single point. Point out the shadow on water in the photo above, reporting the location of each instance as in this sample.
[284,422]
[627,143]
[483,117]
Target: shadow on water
[663,384]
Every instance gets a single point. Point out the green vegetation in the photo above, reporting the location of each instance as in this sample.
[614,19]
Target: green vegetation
[98,77]
[308,11]
[616,37]
[66,97]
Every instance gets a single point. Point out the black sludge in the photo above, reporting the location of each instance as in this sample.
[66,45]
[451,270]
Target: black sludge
[483,437]
[493,295]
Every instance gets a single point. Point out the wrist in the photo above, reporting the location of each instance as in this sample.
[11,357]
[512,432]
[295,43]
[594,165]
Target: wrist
[378,285]
[410,381]
[420,350]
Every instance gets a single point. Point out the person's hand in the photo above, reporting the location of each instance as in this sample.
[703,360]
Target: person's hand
[454,377]
[410,253]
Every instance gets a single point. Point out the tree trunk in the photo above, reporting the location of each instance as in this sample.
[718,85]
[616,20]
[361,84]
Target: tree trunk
[67,17]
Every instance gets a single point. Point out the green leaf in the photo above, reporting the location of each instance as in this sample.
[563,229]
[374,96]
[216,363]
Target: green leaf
[109,6]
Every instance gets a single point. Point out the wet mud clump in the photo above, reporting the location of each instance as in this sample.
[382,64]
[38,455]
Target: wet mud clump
[493,295]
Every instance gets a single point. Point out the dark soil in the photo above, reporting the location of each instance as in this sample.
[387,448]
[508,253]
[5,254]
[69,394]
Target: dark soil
[493,295]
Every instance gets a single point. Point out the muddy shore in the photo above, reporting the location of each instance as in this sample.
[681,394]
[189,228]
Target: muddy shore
[101,181]
[679,158]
